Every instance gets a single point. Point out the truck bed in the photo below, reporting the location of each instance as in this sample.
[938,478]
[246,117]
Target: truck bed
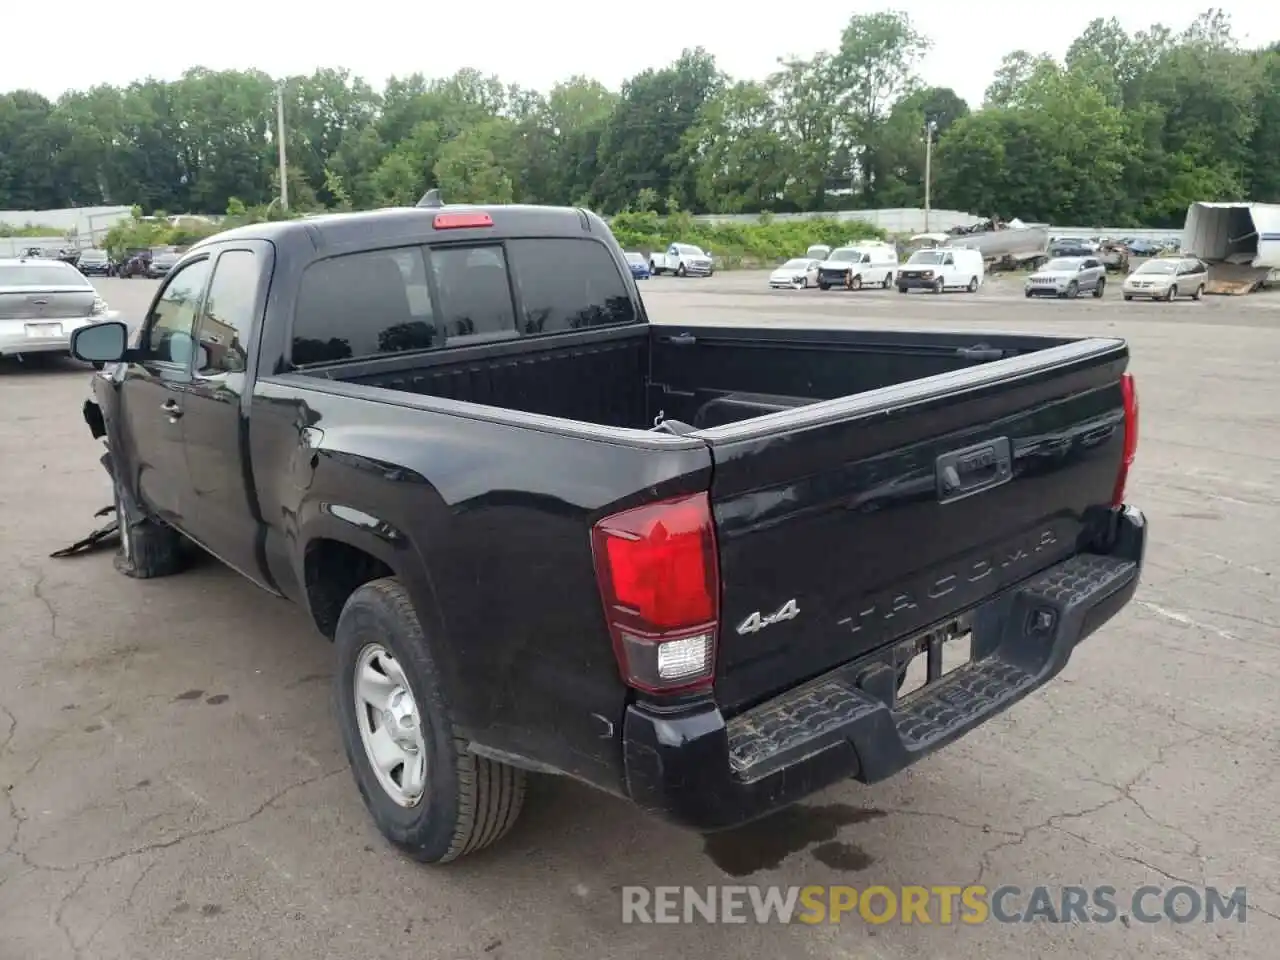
[828,453]
[702,377]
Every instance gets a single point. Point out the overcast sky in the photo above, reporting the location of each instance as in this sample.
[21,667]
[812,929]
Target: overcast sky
[68,44]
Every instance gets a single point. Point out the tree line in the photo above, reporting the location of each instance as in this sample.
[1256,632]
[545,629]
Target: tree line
[1126,130]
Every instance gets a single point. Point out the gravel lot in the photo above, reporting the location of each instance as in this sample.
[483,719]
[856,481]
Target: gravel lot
[174,785]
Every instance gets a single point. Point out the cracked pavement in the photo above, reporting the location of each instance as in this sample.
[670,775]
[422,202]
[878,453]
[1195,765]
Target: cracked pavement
[173,784]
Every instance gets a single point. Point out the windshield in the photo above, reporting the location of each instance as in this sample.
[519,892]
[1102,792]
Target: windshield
[844,254]
[635,258]
[797,264]
[1063,265]
[817,251]
[40,275]
[94,255]
[1157,266]
[925,256]
[686,248]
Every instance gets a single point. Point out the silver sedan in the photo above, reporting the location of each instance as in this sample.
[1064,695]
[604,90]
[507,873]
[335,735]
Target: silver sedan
[41,303]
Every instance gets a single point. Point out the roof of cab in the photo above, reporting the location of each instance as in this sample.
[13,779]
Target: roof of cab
[417,224]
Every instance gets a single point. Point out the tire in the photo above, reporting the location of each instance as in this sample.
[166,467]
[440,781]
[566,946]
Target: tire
[902,289]
[1073,290]
[1128,296]
[653,268]
[1102,286]
[938,285]
[148,548]
[1027,294]
[887,282]
[468,801]
[1171,293]
[680,271]
[1199,293]
[973,285]
[823,285]
[855,281]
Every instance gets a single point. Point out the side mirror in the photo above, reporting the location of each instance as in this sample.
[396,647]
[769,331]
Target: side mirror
[106,342]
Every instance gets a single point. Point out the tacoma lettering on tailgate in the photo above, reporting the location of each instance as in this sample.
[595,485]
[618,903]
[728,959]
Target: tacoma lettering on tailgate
[941,592]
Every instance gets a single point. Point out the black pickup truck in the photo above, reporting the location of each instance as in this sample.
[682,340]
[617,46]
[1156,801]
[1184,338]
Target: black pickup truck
[687,565]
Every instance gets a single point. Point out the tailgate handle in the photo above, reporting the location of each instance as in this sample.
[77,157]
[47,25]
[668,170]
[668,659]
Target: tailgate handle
[971,470]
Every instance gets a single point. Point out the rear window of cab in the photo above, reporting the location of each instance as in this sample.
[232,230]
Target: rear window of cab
[379,302]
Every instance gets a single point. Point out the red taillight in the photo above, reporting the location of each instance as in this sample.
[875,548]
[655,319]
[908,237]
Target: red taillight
[656,566]
[1130,393]
[459,221]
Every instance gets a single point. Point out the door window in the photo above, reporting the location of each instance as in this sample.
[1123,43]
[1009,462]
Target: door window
[227,315]
[172,321]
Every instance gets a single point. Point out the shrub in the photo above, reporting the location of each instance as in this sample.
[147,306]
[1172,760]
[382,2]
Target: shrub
[736,243]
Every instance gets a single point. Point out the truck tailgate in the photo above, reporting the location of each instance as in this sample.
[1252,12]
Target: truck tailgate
[845,525]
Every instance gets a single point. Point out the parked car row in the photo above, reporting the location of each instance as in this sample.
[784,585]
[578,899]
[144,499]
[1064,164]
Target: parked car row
[876,264]
[1162,278]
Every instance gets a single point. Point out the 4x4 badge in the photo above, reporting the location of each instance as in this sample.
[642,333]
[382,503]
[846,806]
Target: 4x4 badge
[756,622]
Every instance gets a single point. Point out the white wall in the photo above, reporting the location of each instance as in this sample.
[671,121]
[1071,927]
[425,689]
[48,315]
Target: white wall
[86,222]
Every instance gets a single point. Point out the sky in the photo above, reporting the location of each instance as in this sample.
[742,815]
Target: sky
[70,44]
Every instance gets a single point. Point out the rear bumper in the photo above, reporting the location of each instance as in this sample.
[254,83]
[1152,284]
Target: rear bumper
[15,340]
[698,770]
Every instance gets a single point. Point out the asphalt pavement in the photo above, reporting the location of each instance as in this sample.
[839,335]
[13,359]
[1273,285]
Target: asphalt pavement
[173,783]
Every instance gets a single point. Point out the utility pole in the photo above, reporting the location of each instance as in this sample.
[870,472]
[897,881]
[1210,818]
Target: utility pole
[284,164]
[929,128]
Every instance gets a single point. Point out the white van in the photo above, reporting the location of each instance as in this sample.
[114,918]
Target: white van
[859,265]
[945,268]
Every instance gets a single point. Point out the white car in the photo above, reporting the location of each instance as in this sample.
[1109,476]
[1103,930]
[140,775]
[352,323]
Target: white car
[41,303]
[1167,277]
[682,259]
[796,274]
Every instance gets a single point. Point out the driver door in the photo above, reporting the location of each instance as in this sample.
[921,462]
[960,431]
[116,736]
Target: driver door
[153,398]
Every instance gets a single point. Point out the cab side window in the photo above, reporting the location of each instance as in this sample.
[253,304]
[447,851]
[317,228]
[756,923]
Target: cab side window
[171,324]
[227,315]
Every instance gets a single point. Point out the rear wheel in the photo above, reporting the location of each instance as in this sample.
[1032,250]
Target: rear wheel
[823,285]
[1102,285]
[426,792]
[973,285]
[1199,292]
[1128,296]
[902,289]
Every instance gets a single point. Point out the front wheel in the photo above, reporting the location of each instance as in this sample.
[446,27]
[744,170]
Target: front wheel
[148,548]
[426,792]
[1102,285]
[1171,293]
[823,285]
[888,281]
[680,271]
[938,285]
[902,289]
[855,281]
[1073,290]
